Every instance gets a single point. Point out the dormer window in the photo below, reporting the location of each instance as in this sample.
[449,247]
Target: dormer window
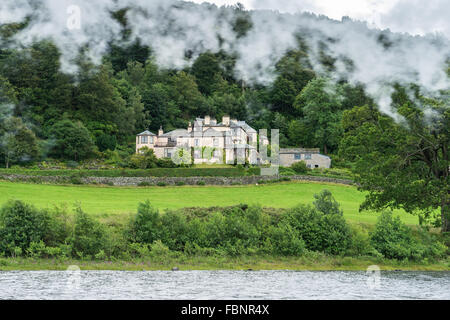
[144,139]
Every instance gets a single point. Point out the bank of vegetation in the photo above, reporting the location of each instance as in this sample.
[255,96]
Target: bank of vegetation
[32,238]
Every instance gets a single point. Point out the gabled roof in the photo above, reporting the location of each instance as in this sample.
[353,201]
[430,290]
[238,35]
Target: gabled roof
[213,133]
[146,133]
[177,133]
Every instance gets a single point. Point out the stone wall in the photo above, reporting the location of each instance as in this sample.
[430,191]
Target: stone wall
[134,181]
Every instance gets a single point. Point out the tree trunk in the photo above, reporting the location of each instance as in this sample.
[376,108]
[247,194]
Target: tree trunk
[445,215]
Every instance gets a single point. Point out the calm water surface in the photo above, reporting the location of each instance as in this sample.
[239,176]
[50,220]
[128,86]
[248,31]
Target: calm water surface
[230,285]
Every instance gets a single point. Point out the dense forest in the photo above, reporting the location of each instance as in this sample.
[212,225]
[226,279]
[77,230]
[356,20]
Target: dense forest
[96,111]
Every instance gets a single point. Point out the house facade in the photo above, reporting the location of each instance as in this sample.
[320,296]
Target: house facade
[230,141]
[311,157]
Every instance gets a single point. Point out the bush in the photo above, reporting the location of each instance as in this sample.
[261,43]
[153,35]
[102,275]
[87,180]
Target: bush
[20,225]
[180,183]
[393,239]
[89,236]
[201,183]
[144,184]
[285,240]
[75,180]
[146,226]
[286,171]
[326,203]
[161,184]
[174,230]
[328,233]
[300,167]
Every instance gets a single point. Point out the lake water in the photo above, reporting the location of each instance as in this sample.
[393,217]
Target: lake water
[229,285]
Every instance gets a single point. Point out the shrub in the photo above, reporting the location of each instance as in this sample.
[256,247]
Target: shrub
[300,167]
[144,184]
[159,249]
[161,184]
[326,203]
[360,243]
[180,183]
[146,226]
[20,225]
[329,233]
[286,171]
[89,236]
[285,240]
[174,232]
[75,180]
[201,183]
[394,240]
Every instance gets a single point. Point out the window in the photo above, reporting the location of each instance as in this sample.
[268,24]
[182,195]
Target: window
[197,142]
[297,156]
[216,142]
[151,140]
[307,156]
[197,154]
[144,139]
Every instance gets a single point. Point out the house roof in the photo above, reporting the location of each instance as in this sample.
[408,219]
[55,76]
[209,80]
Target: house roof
[146,133]
[299,150]
[177,133]
[213,133]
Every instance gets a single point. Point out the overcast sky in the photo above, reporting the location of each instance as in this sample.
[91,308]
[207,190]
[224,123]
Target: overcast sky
[412,16]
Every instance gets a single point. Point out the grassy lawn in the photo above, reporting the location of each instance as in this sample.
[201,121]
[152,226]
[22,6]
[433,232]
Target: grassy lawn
[103,200]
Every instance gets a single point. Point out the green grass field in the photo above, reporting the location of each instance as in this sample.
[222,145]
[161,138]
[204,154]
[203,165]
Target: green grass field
[104,201]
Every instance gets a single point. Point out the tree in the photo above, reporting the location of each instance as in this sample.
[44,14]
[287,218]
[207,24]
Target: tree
[17,142]
[320,105]
[402,164]
[72,141]
[205,68]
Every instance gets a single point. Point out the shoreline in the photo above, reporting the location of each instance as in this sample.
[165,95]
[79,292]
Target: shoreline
[222,263]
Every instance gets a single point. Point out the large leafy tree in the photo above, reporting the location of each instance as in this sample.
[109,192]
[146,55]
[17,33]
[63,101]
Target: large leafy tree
[402,164]
[320,104]
[72,141]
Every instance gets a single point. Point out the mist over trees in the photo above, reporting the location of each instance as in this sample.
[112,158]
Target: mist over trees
[400,147]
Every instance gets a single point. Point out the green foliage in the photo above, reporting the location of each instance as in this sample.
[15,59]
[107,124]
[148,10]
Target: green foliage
[72,141]
[321,232]
[106,142]
[20,225]
[326,203]
[401,164]
[89,236]
[394,240]
[146,225]
[300,167]
[18,144]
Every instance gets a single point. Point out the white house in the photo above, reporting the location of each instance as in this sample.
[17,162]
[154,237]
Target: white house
[208,141]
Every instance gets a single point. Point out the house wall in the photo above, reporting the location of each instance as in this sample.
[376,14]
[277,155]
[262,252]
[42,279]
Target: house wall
[287,159]
[149,143]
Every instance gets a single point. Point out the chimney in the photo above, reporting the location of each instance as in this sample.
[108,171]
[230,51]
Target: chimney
[160,131]
[207,120]
[226,120]
[189,129]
